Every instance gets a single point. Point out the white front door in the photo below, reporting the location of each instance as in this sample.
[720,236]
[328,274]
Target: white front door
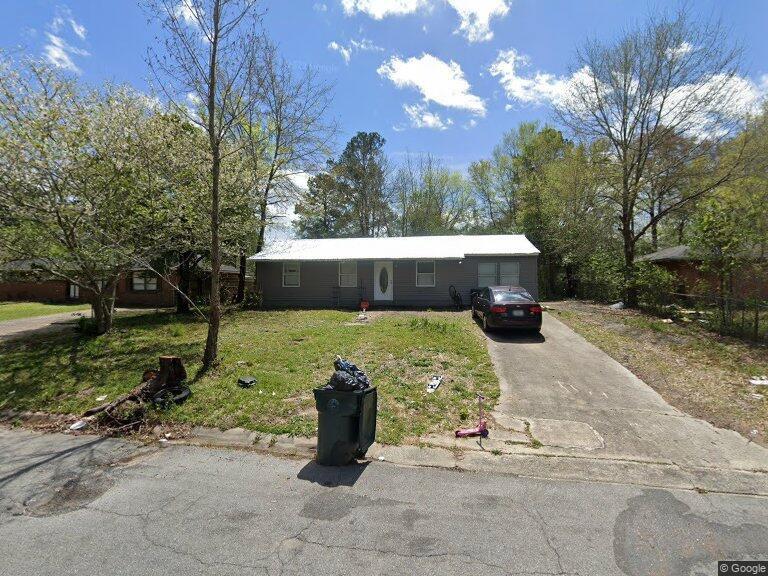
[382,280]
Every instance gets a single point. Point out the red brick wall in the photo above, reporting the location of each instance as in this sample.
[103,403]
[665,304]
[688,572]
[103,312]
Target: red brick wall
[44,291]
[164,297]
[748,282]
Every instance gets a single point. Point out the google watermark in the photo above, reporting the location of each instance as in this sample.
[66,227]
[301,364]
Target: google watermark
[750,567]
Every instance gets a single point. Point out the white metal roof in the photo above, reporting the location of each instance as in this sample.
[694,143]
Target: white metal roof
[398,248]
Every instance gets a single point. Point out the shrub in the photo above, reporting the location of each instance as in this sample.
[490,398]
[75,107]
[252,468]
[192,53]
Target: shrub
[654,285]
[601,278]
[253,300]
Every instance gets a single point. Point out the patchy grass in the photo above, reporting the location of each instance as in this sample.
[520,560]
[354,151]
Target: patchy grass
[289,352]
[17,310]
[695,370]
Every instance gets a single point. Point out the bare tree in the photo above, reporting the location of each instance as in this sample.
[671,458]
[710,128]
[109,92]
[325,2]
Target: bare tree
[664,97]
[285,136]
[211,58]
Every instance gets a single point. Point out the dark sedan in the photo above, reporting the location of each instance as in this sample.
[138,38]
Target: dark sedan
[507,307]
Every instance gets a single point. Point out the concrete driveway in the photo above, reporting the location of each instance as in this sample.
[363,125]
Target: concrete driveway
[23,327]
[582,403]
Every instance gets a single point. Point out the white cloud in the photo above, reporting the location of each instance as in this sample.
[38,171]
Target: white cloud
[346,53]
[475,17]
[320,7]
[697,109]
[538,88]
[440,82]
[186,12]
[58,52]
[378,9]
[365,45]
[421,117]
[300,179]
[62,18]
[362,45]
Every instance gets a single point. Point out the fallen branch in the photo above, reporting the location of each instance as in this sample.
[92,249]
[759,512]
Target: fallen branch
[155,384]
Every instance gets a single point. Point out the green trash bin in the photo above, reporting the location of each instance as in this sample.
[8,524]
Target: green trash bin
[346,424]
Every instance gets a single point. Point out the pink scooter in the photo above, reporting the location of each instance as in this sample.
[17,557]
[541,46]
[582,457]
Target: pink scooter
[482,426]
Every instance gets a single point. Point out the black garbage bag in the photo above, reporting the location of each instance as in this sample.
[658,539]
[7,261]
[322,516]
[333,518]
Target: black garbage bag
[361,378]
[342,381]
[347,377]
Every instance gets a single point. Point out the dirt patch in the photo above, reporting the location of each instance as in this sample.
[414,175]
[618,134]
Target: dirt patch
[697,371]
[71,495]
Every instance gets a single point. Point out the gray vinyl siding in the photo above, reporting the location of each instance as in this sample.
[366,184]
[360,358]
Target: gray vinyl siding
[320,283]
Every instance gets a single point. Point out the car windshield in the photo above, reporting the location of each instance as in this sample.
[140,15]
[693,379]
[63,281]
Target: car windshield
[508,296]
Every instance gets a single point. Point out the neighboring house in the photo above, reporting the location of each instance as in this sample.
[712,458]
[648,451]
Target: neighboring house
[23,281]
[686,266]
[415,271]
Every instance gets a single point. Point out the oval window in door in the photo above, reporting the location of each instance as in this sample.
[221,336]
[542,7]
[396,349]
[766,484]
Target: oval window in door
[383,279]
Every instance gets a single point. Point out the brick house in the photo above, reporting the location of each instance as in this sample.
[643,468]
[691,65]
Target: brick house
[139,288]
[750,282]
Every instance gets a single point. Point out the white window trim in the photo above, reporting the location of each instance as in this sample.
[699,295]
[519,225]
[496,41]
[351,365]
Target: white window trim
[354,285]
[146,280]
[298,273]
[434,274]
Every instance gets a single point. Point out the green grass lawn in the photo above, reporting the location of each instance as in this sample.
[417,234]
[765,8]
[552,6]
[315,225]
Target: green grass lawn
[289,352]
[17,310]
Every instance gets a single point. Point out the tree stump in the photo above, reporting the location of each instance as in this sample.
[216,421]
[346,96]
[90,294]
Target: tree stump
[170,376]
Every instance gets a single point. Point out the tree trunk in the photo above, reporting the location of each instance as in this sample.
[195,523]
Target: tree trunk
[102,307]
[241,278]
[185,282]
[212,340]
[630,288]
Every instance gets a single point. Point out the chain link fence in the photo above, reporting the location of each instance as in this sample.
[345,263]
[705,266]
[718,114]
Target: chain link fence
[740,317]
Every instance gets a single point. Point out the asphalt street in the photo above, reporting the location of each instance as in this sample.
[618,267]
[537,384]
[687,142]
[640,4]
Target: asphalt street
[89,505]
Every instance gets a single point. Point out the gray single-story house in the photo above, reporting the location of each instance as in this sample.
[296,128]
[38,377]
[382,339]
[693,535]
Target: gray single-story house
[415,271]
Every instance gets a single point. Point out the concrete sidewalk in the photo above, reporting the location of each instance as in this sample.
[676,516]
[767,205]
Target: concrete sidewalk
[89,505]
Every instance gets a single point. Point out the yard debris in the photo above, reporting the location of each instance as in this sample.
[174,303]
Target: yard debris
[160,387]
[668,321]
[101,398]
[617,306]
[434,383]
[757,396]
[246,382]
[347,377]
[79,425]
[759,381]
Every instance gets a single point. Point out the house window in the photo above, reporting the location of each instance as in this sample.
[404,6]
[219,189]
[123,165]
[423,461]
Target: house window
[509,273]
[291,275]
[73,293]
[425,274]
[486,274]
[141,282]
[348,274]
[498,274]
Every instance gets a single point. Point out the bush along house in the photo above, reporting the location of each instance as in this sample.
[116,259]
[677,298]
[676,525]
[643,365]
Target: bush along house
[141,288]
[415,271]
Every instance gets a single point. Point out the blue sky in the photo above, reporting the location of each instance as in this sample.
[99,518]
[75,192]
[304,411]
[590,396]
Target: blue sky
[440,76]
